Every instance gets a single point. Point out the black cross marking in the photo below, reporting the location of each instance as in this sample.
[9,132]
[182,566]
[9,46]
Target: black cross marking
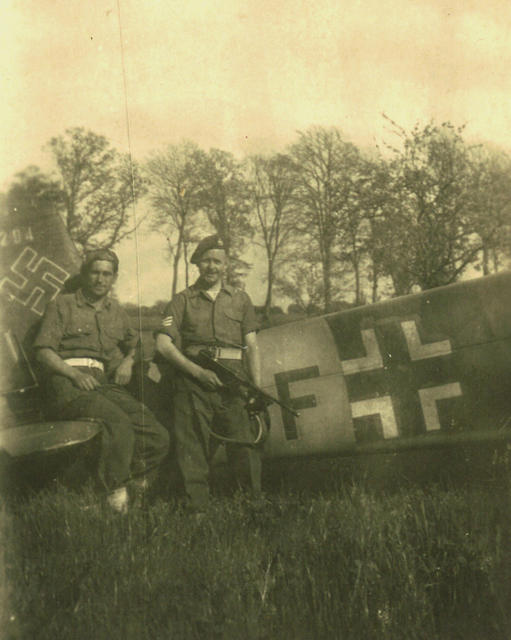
[400,377]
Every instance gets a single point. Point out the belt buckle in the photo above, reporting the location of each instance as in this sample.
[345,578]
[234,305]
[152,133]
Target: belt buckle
[92,363]
[217,352]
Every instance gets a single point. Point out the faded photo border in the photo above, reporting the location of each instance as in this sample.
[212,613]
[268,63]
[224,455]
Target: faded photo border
[252,78]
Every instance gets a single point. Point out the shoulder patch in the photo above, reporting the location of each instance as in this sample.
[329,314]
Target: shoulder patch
[167,322]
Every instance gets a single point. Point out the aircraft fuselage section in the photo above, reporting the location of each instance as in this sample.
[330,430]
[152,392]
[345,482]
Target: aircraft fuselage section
[408,368]
[301,362]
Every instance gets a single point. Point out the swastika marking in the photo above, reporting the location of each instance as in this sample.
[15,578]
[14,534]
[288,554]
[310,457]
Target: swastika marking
[377,406]
[429,397]
[420,351]
[33,281]
[372,360]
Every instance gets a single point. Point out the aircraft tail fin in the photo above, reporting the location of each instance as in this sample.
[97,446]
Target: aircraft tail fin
[37,257]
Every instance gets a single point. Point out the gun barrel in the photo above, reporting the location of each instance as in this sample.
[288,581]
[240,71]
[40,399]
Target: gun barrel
[228,376]
[270,398]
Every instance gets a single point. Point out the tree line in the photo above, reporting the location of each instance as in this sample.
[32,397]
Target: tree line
[335,223]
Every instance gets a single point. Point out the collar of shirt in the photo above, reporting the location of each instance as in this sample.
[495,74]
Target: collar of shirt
[195,290]
[81,300]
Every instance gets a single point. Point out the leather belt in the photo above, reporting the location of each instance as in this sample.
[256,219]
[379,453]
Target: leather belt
[85,362]
[217,353]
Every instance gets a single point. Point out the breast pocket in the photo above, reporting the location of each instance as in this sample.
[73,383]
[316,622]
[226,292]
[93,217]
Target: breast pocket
[232,320]
[113,334]
[79,328]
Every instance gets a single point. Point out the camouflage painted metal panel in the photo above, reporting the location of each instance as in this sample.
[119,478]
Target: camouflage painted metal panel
[300,363]
[435,363]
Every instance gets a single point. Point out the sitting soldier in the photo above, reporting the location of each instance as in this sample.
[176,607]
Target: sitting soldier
[88,346]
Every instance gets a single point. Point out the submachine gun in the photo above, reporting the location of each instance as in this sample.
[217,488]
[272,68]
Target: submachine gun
[257,400]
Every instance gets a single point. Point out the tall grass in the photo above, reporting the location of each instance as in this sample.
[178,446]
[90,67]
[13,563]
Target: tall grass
[415,563]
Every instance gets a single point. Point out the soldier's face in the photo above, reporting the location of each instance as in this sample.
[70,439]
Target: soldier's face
[212,266]
[99,279]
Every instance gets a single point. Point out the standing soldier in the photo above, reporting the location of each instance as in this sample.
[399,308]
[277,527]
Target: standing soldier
[88,347]
[213,315]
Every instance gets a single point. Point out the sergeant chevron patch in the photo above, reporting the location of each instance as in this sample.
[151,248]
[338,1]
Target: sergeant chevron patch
[167,322]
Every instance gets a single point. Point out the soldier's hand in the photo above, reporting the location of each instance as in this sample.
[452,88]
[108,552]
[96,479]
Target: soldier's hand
[209,380]
[123,372]
[85,381]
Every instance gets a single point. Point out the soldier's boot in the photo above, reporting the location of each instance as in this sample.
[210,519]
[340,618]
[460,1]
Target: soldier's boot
[118,500]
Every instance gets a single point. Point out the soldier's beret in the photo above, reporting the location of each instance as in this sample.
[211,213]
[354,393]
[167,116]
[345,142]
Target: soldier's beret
[100,254]
[206,244]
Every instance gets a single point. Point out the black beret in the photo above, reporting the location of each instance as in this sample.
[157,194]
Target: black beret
[206,244]
[100,254]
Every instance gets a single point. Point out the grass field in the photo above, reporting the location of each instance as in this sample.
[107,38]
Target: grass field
[320,559]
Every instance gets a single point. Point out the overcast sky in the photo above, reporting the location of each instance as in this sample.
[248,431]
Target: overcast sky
[244,76]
